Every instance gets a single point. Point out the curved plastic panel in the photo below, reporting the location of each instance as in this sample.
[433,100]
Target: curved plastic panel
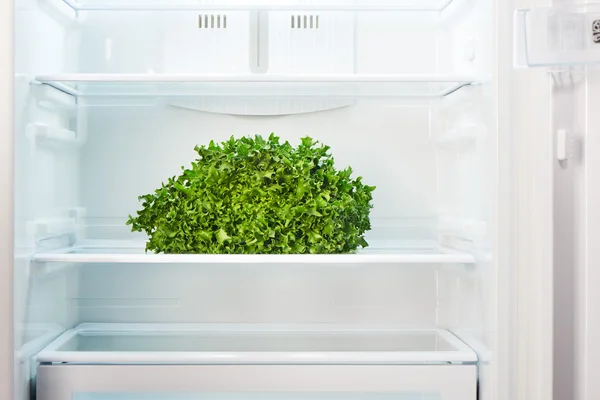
[262,107]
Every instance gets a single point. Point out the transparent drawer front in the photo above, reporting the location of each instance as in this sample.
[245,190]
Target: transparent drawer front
[255,396]
[251,344]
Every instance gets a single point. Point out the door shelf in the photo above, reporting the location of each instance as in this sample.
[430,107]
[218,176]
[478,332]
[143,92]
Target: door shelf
[255,85]
[276,5]
[561,36]
[91,254]
[189,344]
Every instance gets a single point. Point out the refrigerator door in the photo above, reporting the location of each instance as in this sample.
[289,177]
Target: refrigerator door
[577,210]
[585,260]
[562,42]
[577,218]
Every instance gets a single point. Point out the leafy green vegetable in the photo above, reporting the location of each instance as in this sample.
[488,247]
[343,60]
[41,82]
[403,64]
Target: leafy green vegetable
[257,196]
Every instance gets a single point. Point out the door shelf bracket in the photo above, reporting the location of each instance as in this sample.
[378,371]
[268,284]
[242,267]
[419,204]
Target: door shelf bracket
[567,76]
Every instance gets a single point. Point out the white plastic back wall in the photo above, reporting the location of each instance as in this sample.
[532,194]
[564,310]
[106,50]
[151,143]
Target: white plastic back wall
[385,294]
[406,43]
[140,147]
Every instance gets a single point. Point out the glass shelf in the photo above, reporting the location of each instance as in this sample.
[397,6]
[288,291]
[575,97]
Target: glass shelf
[559,36]
[254,344]
[124,254]
[257,396]
[345,86]
[291,5]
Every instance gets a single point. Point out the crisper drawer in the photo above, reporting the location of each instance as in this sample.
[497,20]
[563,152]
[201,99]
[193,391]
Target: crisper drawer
[216,42]
[239,42]
[260,382]
[227,362]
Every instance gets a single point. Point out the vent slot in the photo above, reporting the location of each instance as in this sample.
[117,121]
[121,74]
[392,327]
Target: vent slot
[305,21]
[212,21]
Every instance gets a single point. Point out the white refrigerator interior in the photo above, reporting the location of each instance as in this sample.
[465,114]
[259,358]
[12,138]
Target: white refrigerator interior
[110,99]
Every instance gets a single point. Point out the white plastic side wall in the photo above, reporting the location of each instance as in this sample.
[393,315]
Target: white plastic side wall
[468,159]
[44,185]
[7,356]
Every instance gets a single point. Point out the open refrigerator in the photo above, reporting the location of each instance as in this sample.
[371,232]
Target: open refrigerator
[447,106]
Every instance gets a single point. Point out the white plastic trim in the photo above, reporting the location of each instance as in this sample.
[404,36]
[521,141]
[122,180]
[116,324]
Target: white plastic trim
[51,354]
[357,83]
[431,6]
[251,78]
